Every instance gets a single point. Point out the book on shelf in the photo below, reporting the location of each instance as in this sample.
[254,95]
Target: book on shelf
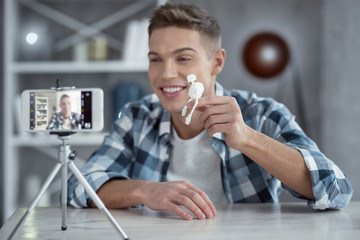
[136,41]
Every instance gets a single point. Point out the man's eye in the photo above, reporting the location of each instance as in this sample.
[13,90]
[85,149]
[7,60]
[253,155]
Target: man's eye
[154,60]
[184,59]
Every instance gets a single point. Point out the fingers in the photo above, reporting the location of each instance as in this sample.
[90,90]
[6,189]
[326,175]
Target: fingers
[172,207]
[206,199]
[224,111]
[191,205]
[170,196]
[195,200]
[210,100]
[222,114]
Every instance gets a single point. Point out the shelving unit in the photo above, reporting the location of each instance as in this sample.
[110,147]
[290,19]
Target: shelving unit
[79,67]
[41,115]
[16,68]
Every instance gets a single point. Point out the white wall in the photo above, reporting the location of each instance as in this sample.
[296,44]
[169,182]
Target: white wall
[340,87]
[1,113]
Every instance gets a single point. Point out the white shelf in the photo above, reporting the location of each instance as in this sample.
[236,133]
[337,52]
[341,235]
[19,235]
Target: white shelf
[79,67]
[43,140]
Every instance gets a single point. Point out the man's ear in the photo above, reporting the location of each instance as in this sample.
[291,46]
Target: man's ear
[218,61]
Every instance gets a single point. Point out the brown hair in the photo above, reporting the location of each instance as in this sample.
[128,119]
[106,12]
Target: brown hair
[64,96]
[186,16]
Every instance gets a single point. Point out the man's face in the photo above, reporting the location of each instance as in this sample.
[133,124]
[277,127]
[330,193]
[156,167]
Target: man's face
[174,54]
[65,106]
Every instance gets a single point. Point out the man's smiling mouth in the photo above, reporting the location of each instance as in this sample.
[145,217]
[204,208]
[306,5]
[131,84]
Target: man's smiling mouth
[172,89]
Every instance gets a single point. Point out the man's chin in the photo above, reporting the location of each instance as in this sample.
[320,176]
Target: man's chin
[173,109]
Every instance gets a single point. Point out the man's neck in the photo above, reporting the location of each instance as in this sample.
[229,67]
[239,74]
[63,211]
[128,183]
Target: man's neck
[186,131]
[66,116]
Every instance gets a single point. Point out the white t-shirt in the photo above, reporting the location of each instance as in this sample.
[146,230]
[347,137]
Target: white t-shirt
[195,161]
[67,124]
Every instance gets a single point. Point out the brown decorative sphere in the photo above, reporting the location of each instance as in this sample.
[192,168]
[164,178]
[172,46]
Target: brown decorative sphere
[265,55]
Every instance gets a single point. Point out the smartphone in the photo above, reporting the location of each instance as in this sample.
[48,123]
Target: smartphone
[65,110]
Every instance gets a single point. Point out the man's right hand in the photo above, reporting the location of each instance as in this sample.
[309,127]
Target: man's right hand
[158,196]
[169,196]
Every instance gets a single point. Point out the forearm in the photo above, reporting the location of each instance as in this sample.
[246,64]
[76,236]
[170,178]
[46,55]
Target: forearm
[120,193]
[283,162]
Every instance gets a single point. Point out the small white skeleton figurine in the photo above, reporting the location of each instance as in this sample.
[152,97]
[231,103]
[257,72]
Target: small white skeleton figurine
[195,92]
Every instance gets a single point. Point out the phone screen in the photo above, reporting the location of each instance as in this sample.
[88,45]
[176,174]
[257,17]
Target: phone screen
[61,110]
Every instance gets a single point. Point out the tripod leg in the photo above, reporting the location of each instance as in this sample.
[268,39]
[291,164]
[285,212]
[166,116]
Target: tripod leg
[96,198]
[37,198]
[64,195]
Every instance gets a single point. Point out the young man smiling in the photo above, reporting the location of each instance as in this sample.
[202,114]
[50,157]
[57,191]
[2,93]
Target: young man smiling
[238,147]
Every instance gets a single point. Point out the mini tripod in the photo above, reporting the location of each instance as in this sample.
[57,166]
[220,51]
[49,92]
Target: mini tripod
[66,157]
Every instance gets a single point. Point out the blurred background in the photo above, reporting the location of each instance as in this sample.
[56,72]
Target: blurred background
[304,53]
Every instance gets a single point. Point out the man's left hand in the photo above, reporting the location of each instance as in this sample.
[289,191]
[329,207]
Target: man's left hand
[223,114]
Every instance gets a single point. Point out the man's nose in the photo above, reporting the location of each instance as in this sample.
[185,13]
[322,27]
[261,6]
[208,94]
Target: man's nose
[169,70]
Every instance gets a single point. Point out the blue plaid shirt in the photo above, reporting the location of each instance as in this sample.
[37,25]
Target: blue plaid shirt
[57,121]
[139,147]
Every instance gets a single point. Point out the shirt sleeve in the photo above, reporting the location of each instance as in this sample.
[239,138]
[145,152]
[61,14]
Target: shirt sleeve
[52,123]
[111,161]
[331,187]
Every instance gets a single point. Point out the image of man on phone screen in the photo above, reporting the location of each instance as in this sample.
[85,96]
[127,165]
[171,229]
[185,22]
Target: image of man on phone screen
[65,119]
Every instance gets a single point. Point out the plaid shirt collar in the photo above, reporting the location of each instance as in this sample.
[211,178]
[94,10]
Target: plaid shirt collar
[61,117]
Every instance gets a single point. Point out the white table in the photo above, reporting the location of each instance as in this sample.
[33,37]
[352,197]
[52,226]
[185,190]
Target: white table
[239,221]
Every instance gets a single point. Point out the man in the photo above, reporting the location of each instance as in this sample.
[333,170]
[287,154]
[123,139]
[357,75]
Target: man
[237,148]
[65,119]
